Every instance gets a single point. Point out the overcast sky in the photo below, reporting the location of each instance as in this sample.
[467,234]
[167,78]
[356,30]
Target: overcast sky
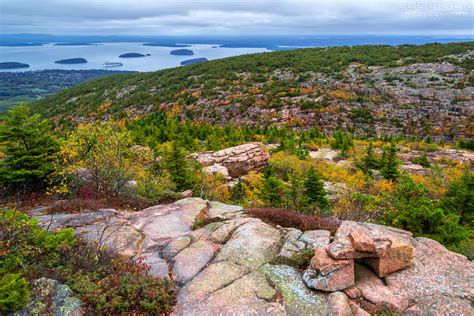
[243,17]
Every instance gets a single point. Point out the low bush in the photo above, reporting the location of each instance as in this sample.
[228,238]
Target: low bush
[299,261]
[106,282]
[288,218]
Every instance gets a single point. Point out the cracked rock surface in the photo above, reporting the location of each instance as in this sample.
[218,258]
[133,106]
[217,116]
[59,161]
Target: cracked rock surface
[228,266]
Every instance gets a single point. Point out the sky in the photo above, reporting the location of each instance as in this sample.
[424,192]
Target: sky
[242,17]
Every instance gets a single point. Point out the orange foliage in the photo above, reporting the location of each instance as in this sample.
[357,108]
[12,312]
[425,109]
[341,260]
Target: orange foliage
[343,95]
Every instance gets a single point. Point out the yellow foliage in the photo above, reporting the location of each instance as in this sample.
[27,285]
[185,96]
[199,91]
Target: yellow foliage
[340,94]
[104,106]
[253,189]
[353,179]
[284,163]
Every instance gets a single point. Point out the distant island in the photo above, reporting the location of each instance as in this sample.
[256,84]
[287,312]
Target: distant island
[132,55]
[182,52]
[71,61]
[166,45]
[13,65]
[193,61]
[75,44]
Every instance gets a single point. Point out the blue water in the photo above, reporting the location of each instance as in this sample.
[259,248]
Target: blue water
[40,53]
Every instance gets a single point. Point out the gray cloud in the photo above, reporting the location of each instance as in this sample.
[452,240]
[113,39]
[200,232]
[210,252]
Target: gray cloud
[187,17]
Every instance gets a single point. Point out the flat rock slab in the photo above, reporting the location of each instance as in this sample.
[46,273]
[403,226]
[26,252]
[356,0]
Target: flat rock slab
[190,261]
[249,295]
[440,282]
[297,298]
[162,223]
[251,245]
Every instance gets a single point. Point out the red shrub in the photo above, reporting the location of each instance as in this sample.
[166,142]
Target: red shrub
[288,218]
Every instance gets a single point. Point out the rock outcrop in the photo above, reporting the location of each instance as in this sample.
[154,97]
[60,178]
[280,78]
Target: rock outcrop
[234,161]
[49,297]
[231,266]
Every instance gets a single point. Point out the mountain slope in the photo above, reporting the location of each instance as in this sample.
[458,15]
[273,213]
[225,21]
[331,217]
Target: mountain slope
[371,89]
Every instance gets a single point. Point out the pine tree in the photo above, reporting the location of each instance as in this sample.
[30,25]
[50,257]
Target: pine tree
[390,163]
[273,190]
[238,192]
[370,160]
[28,146]
[314,190]
[177,166]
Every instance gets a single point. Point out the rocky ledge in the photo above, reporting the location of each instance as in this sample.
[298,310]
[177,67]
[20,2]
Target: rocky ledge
[230,267]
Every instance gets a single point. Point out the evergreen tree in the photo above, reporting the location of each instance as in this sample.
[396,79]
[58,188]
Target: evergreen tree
[28,146]
[238,192]
[342,141]
[177,166]
[273,190]
[390,162]
[370,161]
[314,190]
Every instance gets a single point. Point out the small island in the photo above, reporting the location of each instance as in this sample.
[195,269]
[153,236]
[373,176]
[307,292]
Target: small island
[13,65]
[132,55]
[71,61]
[193,61]
[182,52]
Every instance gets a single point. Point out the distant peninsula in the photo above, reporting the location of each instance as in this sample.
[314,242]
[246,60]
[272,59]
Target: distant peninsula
[166,45]
[193,61]
[13,65]
[132,55]
[71,61]
[182,52]
[74,44]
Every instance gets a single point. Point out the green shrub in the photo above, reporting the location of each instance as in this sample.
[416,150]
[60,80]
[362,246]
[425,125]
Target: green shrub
[106,282]
[14,292]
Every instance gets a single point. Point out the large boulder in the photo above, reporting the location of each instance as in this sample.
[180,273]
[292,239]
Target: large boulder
[439,282]
[385,249]
[238,160]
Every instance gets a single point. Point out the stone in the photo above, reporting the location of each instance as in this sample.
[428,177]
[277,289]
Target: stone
[357,310]
[361,241]
[323,154]
[158,266]
[385,249]
[353,292]
[175,246]
[439,282]
[324,264]
[49,297]
[190,261]
[222,234]
[223,211]
[248,295]
[315,238]
[291,244]
[115,234]
[297,298]
[251,245]
[162,223]
[216,169]
[373,290]
[238,160]
[186,194]
[336,280]
[338,305]
[213,278]
[335,190]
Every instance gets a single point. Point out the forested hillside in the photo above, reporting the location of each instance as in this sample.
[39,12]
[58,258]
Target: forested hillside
[381,90]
